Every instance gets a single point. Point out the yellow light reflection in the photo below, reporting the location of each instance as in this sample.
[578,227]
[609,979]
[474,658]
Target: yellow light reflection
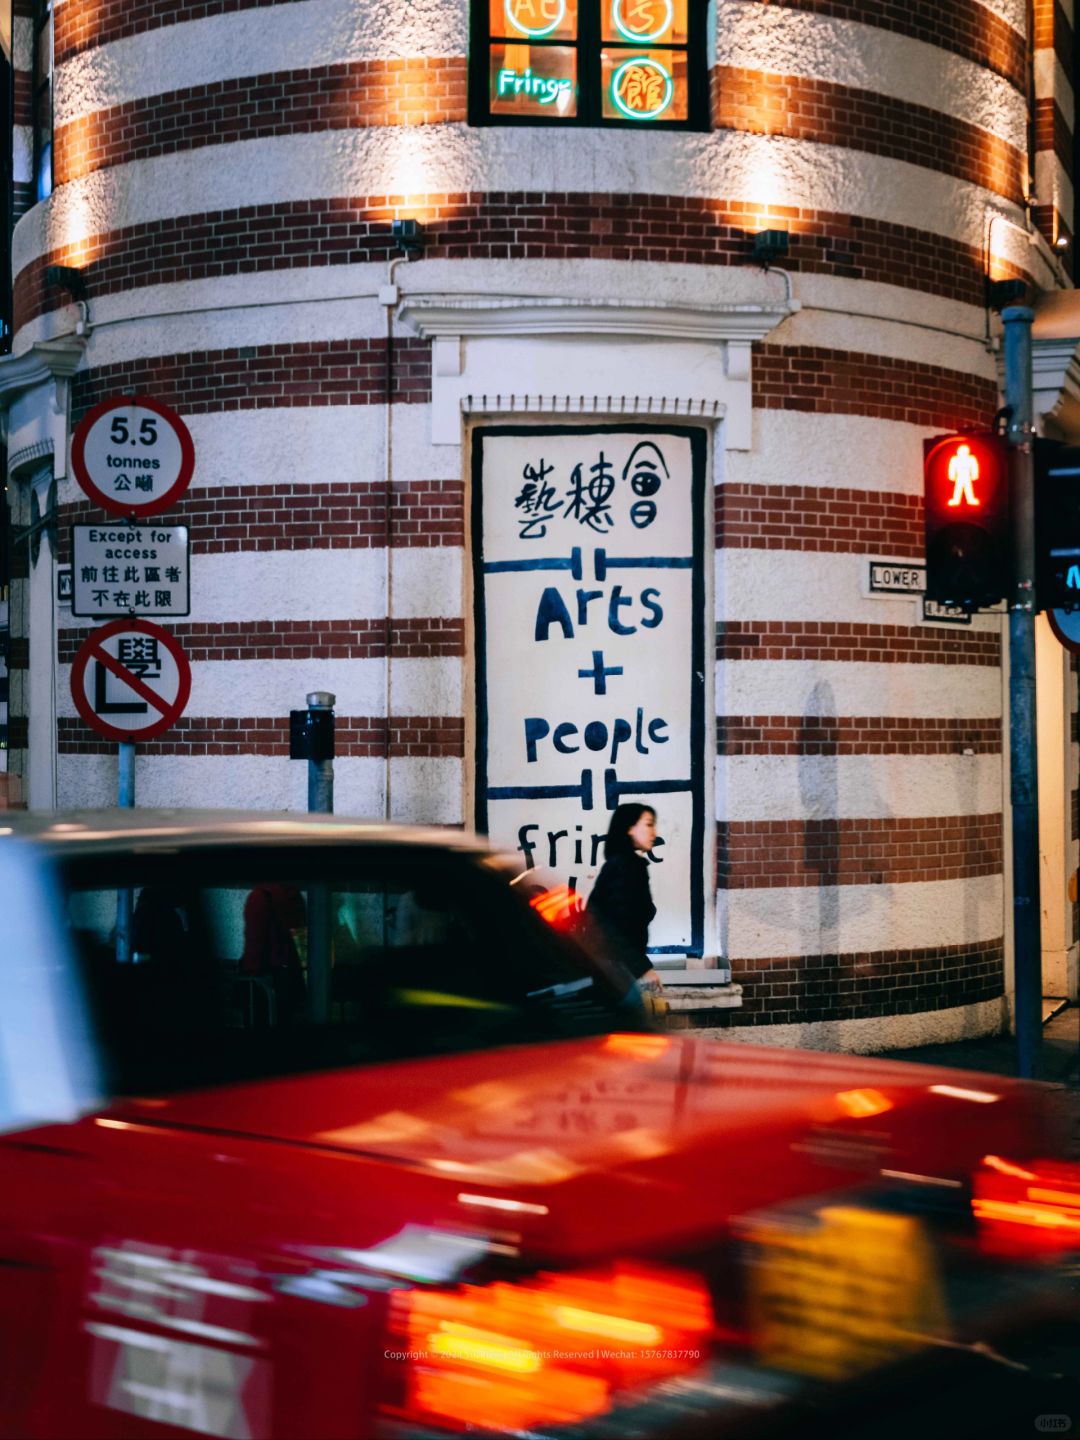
[499,1202]
[613,1327]
[861,1104]
[956,1092]
[638,1047]
[483,1347]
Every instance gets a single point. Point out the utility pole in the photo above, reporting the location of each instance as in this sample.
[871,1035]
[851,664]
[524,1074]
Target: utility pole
[1023,756]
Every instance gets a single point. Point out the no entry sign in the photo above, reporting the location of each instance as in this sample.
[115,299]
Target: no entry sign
[130,680]
[133,455]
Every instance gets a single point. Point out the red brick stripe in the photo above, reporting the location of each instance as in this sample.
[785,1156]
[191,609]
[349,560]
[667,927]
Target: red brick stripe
[18,653]
[23,97]
[421,91]
[769,854]
[965,27]
[831,114]
[804,517]
[410,735]
[301,516]
[321,372]
[1053,31]
[1052,133]
[554,226]
[862,644]
[303,639]
[856,735]
[842,382]
[799,989]
[97,22]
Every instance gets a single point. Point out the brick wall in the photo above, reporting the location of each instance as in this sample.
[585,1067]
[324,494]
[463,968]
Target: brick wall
[830,114]
[766,854]
[799,989]
[857,735]
[299,516]
[812,378]
[422,91]
[416,639]
[805,517]
[355,736]
[98,22]
[668,229]
[331,372]
[965,27]
[866,644]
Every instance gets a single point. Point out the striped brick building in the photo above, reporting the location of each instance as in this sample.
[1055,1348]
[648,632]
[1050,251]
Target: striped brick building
[225,175]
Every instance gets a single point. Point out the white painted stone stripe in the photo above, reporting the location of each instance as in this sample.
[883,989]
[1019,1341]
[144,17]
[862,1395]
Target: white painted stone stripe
[1052,81]
[832,687]
[1052,185]
[323,585]
[259,41]
[241,688]
[22,156]
[454,159]
[1013,12]
[22,44]
[762,585]
[857,787]
[796,43]
[364,319]
[866,1036]
[845,919]
[855,452]
[424,789]
[319,445]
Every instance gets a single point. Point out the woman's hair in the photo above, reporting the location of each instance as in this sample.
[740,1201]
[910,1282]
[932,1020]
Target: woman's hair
[618,840]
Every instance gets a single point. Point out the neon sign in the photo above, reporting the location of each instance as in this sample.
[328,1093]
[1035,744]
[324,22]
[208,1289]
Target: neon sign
[541,9]
[641,88]
[545,90]
[643,9]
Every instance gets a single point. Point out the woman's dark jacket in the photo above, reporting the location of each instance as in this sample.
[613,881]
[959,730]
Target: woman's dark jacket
[622,904]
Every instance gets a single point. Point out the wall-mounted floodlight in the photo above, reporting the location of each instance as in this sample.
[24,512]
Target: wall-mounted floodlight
[1002,293]
[69,278]
[770,246]
[408,236]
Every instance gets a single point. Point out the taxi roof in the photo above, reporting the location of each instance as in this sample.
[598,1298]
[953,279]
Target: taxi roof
[88,832]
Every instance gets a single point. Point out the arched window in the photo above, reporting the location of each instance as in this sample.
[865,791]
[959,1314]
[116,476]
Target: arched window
[631,63]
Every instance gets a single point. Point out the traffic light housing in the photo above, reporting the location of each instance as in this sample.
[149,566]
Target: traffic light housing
[968,542]
[1057,525]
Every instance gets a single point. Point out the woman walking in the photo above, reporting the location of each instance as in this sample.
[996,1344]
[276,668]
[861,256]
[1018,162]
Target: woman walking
[621,901]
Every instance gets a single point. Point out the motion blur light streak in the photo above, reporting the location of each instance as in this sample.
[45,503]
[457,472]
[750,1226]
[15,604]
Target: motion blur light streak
[497,1202]
[955,1092]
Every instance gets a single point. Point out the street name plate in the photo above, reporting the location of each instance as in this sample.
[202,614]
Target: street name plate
[120,569]
[938,614]
[890,577]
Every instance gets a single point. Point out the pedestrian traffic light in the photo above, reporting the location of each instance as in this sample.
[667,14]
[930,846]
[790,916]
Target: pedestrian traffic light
[966,495]
[1057,525]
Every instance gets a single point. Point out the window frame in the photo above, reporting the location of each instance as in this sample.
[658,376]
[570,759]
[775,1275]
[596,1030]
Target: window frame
[590,89]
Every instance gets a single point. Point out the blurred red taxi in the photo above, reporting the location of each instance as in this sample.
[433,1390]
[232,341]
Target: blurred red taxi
[314,1128]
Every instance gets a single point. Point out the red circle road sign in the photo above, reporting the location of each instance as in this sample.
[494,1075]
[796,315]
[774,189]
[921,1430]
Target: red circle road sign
[133,455]
[130,680]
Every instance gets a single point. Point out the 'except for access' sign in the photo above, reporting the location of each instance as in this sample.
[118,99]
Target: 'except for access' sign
[130,680]
[132,455]
[130,569]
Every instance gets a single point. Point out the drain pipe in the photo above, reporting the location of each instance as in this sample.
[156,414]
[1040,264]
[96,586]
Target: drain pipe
[388,297]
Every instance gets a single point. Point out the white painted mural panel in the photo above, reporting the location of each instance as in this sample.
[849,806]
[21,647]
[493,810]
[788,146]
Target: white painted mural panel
[590,612]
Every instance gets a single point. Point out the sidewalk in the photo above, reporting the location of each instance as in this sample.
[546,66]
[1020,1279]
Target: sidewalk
[996,1054]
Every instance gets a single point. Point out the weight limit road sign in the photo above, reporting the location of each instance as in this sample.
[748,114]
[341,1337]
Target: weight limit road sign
[133,455]
[130,680]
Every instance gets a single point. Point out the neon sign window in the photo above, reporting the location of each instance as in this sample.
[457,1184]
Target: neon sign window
[631,63]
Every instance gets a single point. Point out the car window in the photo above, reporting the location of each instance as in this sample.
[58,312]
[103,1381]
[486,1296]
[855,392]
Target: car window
[213,966]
